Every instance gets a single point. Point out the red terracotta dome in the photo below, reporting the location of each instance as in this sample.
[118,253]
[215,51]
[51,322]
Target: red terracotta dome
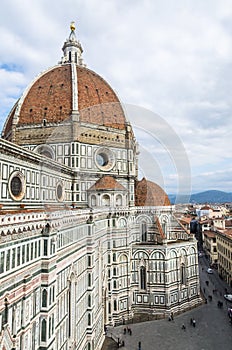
[63,91]
[148,193]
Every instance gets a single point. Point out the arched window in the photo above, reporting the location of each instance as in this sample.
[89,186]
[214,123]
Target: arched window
[106,200]
[118,201]
[114,271]
[183,274]
[44,298]
[144,231]
[109,308]
[123,271]
[93,201]
[158,267]
[143,277]
[115,284]
[115,305]
[43,330]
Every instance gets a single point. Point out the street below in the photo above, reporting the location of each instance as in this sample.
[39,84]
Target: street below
[213,330]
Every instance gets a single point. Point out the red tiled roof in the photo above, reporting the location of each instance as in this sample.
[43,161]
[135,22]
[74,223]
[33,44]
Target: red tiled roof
[185,220]
[107,183]
[228,223]
[148,193]
[206,207]
[50,98]
[210,234]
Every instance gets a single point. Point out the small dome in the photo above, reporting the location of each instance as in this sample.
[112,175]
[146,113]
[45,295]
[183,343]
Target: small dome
[148,193]
[107,183]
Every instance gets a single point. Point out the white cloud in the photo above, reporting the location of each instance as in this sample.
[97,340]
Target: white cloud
[173,57]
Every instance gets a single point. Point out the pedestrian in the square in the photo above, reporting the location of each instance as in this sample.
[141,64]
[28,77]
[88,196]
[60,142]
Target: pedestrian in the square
[191,321]
[172,316]
[194,323]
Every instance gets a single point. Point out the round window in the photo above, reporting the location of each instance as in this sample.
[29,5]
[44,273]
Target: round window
[104,159]
[16,185]
[60,191]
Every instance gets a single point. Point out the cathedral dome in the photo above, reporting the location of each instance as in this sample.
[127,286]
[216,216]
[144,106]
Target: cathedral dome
[66,90]
[148,193]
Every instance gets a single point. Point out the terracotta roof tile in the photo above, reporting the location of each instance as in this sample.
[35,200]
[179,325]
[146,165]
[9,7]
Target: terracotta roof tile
[107,183]
[50,98]
[148,193]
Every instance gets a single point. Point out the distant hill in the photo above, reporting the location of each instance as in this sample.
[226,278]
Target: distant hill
[212,196]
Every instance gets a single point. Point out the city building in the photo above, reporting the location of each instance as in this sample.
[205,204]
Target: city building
[84,243]
[224,248]
[210,246]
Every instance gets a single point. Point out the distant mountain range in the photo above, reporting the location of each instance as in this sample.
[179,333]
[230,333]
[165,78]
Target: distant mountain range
[212,196]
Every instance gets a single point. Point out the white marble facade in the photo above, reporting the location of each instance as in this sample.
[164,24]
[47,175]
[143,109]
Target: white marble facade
[74,258]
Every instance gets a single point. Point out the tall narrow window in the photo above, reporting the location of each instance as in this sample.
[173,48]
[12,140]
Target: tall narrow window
[8,260]
[89,280]
[45,247]
[144,231]
[89,320]
[183,274]
[44,298]
[18,255]
[143,277]
[13,258]
[2,256]
[44,330]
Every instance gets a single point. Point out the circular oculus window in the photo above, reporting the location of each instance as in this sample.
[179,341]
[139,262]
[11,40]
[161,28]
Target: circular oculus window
[104,159]
[17,185]
[60,191]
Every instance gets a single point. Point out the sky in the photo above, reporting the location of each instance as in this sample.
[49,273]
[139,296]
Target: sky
[170,62]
